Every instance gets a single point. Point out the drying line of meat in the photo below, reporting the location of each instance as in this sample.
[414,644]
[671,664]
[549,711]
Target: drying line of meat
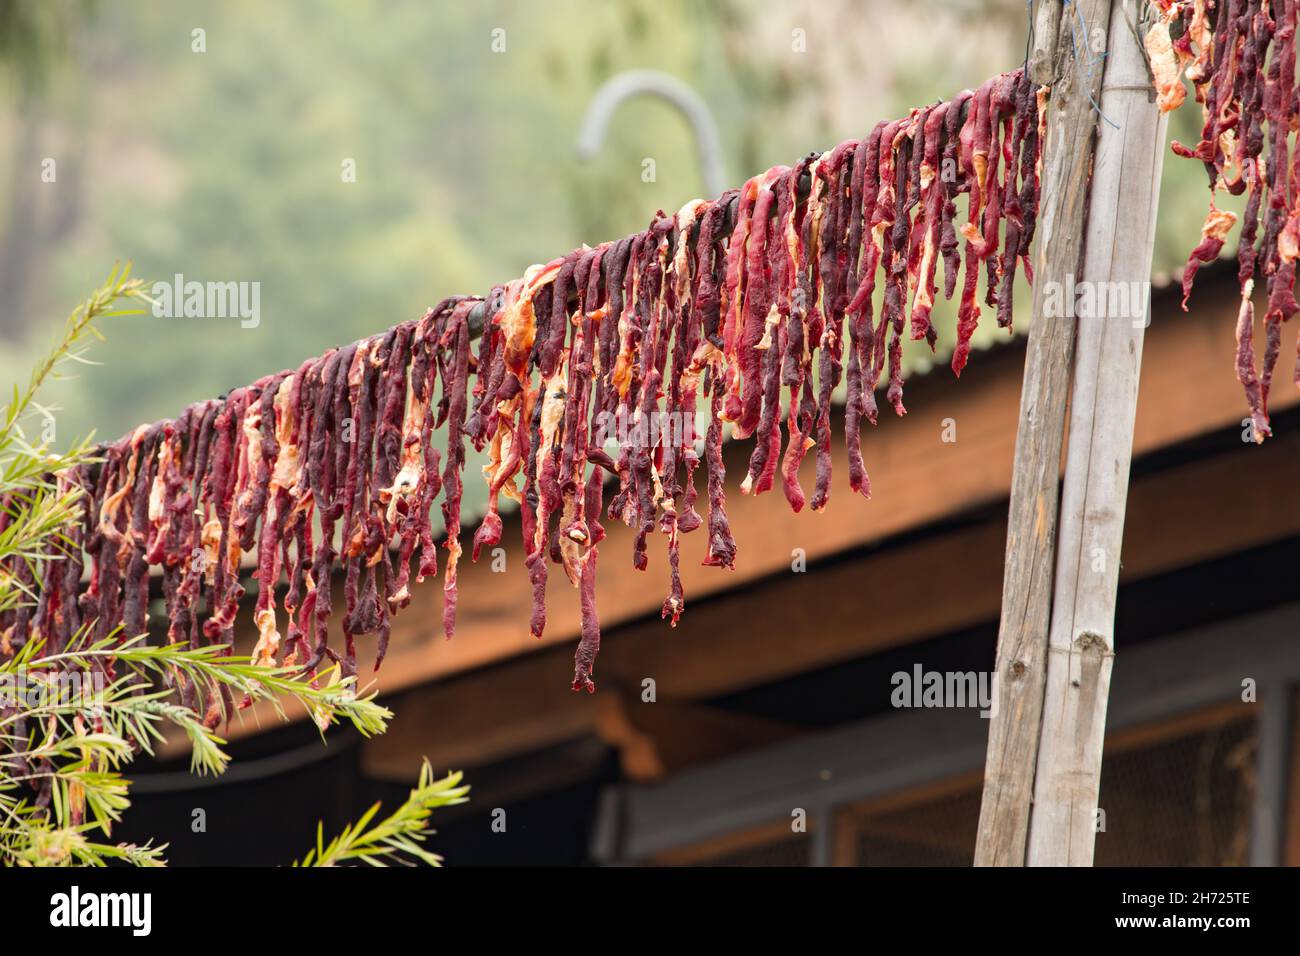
[741,302]
[1240,56]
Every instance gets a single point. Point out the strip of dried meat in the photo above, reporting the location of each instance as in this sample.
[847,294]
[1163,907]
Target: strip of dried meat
[592,368]
[1242,69]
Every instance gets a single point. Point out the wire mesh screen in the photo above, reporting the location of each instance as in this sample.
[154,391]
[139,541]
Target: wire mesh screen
[793,850]
[1183,801]
[935,833]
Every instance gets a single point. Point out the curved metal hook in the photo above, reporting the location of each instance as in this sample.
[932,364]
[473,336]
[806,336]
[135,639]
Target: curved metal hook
[689,103]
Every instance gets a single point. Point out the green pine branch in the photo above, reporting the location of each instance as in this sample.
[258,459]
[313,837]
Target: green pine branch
[397,838]
[75,746]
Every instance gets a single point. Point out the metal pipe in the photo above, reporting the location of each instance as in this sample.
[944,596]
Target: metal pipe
[690,104]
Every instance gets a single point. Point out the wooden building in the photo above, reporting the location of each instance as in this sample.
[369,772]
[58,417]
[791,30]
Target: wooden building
[772,738]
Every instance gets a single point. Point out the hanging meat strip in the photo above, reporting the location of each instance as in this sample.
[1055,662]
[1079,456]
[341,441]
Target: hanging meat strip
[1242,69]
[592,368]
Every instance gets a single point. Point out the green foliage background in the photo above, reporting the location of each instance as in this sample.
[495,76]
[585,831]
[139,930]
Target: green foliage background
[225,165]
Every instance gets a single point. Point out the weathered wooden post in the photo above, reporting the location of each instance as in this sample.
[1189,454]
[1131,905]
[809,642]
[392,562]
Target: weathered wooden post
[1055,643]
[1063,58]
[1108,356]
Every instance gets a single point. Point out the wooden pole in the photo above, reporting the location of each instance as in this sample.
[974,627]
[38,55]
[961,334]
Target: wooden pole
[1273,745]
[1020,670]
[1043,50]
[1108,356]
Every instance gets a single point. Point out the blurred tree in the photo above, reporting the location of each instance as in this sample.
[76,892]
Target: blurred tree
[213,136]
[33,38]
